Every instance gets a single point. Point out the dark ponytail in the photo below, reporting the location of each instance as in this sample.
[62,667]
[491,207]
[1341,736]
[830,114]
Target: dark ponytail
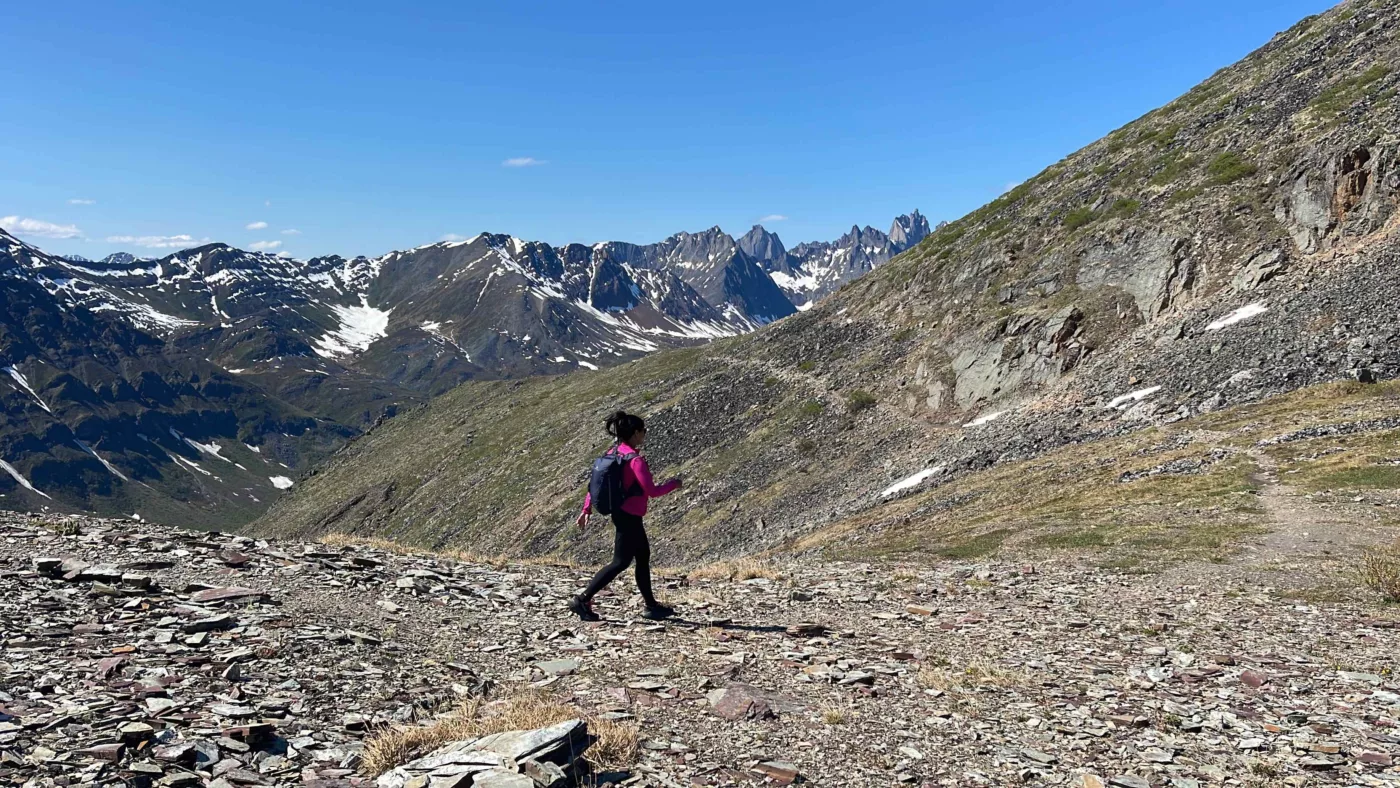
[623,425]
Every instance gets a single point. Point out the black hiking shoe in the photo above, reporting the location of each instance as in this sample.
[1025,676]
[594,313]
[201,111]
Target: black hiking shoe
[583,609]
[658,612]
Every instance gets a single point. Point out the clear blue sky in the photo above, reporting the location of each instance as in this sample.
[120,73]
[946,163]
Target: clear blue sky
[367,127]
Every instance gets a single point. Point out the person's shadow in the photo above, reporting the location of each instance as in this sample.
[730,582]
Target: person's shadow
[727,625]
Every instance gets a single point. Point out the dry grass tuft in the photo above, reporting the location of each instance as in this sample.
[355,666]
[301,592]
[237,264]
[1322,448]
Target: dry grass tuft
[1380,571]
[737,570]
[615,745]
[833,715]
[976,673]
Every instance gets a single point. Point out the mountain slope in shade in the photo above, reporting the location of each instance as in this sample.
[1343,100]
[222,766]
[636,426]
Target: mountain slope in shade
[104,417]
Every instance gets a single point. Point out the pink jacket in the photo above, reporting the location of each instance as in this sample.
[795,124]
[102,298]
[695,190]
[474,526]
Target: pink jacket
[637,474]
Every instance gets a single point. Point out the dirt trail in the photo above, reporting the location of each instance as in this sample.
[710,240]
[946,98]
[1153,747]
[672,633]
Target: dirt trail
[1306,543]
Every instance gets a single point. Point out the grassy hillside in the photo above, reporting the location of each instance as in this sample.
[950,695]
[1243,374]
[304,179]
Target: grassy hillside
[1116,270]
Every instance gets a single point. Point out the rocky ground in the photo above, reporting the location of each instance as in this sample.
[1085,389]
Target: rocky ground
[137,654]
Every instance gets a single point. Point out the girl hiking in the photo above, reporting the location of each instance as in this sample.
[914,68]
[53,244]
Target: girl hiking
[620,486]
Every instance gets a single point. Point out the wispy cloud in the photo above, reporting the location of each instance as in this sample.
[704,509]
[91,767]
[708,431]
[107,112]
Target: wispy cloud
[1010,186]
[81,201]
[291,231]
[256,226]
[157,241]
[772,217]
[452,237]
[34,228]
[267,203]
[285,255]
[523,161]
[263,246]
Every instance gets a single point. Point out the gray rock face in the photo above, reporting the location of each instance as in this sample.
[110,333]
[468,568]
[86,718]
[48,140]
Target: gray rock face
[1147,266]
[908,230]
[763,246]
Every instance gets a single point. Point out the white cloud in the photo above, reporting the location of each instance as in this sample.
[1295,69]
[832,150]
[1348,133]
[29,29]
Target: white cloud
[291,231]
[157,241]
[773,217]
[285,255]
[452,237]
[262,246]
[20,225]
[81,201]
[256,226]
[523,161]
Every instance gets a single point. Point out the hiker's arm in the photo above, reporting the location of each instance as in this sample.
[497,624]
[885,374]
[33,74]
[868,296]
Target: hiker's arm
[643,473]
[582,520]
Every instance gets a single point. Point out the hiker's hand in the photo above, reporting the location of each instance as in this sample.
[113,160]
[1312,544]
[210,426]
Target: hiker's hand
[582,521]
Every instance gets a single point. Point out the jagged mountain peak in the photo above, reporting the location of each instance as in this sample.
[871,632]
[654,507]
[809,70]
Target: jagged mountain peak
[909,229]
[762,245]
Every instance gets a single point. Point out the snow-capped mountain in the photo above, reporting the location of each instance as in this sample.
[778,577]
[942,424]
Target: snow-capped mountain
[809,271]
[203,382]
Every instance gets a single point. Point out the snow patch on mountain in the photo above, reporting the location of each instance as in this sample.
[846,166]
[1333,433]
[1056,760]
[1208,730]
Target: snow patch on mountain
[910,482]
[359,327]
[24,383]
[19,477]
[110,468]
[1132,396]
[1239,315]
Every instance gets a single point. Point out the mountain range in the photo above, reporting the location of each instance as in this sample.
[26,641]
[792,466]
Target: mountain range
[1225,251]
[197,386]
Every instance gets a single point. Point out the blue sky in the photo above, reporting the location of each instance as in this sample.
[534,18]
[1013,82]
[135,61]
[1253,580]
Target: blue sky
[363,127]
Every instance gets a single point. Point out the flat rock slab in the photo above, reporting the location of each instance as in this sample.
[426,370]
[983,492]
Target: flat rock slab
[502,779]
[746,702]
[227,594]
[560,667]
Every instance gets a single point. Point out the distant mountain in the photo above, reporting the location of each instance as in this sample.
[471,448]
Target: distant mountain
[811,271]
[128,378]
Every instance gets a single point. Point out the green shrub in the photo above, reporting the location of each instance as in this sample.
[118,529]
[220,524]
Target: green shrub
[1339,97]
[860,400]
[807,366]
[1170,168]
[1229,167]
[812,407]
[806,446]
[1078,218]
[1123,208]
[1182,195]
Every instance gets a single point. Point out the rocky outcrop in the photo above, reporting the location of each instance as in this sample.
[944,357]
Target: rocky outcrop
[1331,195]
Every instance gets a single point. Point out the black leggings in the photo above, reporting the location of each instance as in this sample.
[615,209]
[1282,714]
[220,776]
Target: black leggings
[630,545]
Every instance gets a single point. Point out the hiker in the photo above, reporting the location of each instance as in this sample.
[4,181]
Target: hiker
[620,486]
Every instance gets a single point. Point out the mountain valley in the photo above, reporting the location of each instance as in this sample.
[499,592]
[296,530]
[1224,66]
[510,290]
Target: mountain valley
[128,376]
